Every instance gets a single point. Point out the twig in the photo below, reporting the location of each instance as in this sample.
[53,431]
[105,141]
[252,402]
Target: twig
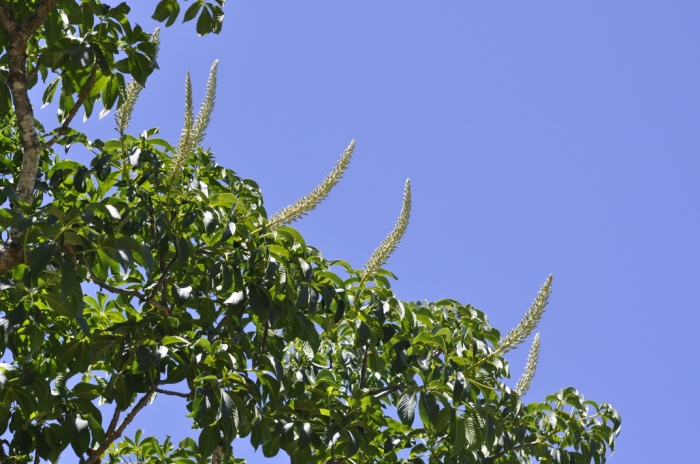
[381,392]
[223,322]
[164,274]
[84,94]
[174,393]
[154,387]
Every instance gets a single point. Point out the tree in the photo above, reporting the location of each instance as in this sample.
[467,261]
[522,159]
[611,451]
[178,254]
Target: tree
[203,296]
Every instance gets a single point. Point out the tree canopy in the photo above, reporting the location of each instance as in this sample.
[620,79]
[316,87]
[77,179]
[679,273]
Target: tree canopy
[204,296]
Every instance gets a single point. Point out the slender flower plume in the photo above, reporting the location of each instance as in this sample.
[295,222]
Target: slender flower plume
[525,381]
[194,130]
[183,145]
[131,93]
[302,206]
[205,110]
[529,321]
[387,247]
[128,97]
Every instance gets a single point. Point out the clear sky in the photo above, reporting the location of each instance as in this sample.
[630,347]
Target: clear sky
[540,137]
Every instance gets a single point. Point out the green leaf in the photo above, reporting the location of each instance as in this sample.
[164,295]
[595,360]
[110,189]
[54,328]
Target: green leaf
[192,11]
[39,259]
[203,343]
[80,434]
[222,199]
[82,54]
[205,23]
[124,395]
[428,408]
[555,453]
[306,433]
[209,439]
[331,434]
[110,93]
[473,428]
[459,440]
[227,406]
[79,179]
[144,257]
[353,444]
[68,278]
[50,91]
[98,434]
[271,448]
[406,408]
[172,339]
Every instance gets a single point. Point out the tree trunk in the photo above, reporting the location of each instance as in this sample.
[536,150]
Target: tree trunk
[17,57]
[11,253]
[216,457]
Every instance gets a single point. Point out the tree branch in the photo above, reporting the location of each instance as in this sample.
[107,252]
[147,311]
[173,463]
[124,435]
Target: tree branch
[154,387]
[82,96]
[223,322]
[113,423]
[37,19]
[164,274]
[6,22]
[96,456]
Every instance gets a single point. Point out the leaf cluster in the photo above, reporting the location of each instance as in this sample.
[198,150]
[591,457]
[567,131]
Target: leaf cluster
[261,336]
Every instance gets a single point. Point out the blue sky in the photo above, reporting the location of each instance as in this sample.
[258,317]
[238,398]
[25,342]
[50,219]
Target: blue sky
[540,137]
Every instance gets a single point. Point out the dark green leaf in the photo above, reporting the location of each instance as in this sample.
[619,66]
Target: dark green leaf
[50,91]
[428,408]
[205,23]
[39,259]
[407,408]
[82,54]
[192,11]
[80,434]
[306,433]
[331,434]
[209,439]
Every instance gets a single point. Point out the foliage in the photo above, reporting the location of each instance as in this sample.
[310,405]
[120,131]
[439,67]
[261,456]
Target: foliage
[270,341]
[87,47]
[202,297]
